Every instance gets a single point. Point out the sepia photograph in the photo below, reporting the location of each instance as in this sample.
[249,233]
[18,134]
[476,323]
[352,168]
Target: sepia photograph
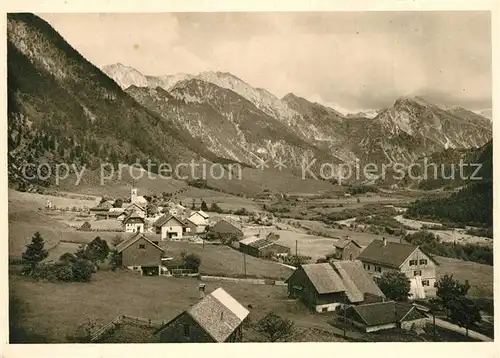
[223,177]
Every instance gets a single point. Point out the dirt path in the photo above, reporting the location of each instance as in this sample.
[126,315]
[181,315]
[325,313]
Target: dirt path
[455,328]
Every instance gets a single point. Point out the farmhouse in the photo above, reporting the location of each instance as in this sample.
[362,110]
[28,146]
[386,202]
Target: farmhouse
[140,254]
[200,218]
[385,315]
[224,230]
[326,286]
[216,318]
[382,256]
[169,227]
[101,211]
[134,222]
[346,249]
[263,247]
[189,228]
[135,207]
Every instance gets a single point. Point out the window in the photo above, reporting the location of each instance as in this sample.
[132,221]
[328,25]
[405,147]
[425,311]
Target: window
[378,269]
[425,283]
[350,257]
[142,246]
[324,309]
[368,267]
[423,261]
[417,273]
[186,330]
[413,262]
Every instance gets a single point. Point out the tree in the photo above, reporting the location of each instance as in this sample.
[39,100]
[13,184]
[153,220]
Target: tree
[395,285]
[35,252]
[82,270]
[464,312]
[151,209]
[191,261]
[274,328]
[97,250]
[114,257]
[215,208]
[448,289]
[67,257]
[118,203]
[204,206]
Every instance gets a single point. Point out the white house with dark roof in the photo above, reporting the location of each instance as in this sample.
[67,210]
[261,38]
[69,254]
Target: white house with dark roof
[216,318]
[169,227]
[381,256]
[133,222]
[326,286]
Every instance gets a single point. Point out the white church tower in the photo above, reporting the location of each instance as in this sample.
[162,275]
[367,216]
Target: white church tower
[133,195]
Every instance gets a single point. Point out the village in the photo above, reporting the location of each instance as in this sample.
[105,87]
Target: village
[334,293]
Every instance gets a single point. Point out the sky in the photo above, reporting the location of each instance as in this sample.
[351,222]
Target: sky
[348,60]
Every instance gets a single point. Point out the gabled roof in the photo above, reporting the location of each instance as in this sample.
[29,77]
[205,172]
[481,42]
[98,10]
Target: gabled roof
[223,226]
[218,313]
[356,280]
[342,276]
[123,245]
[379,313]
[392,254]
[165,218]
[249,240]
[104,206]
[133,215]
[201,213]
[324,278]
[343,242]
[134,205]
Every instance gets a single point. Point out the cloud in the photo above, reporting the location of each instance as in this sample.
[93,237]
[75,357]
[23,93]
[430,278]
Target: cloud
[356,60]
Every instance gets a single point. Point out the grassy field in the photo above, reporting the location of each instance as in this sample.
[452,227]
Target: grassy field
[55,310]
[480,276]
[224,261]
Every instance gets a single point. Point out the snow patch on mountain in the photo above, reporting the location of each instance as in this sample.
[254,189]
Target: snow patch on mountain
[125,76]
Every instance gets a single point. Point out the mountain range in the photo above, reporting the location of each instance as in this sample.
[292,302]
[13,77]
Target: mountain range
[61,106]
[410,129]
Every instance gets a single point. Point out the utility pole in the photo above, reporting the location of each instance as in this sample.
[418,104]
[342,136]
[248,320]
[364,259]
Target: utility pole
[245,264]
[296,254]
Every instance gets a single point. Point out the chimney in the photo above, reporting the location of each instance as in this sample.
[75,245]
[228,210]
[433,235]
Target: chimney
[384,241]
[201,289]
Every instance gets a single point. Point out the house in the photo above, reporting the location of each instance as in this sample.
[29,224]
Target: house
[346,249]
[385,315]
[117,214]
[135,207]
[263,247]
[136,199]
[174,209]
[101,210]
[189,228]
[169,227]
[216,318]
[382,256]
[133,222]
[225,231]
[200,218]
[326,286]
[48,204]
[138,253]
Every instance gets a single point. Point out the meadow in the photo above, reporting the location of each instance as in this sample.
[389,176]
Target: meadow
[53,311]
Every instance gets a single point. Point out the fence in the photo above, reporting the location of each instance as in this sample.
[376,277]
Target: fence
[254,281]
[124,319]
